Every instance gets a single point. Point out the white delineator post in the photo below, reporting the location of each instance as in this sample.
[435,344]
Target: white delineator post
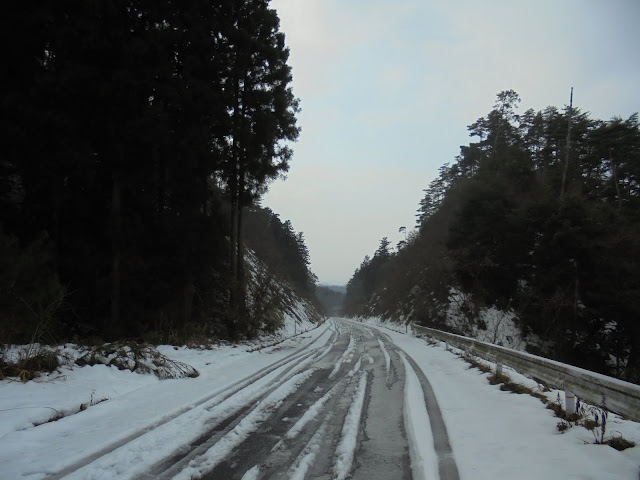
[569,402]
[498,368]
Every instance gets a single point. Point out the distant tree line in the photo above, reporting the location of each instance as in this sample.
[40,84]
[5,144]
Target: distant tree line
[135,135]
[331,300]
[282,248]
[540,215]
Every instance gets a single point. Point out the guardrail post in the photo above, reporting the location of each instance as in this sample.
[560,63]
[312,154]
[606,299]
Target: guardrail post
[569,402]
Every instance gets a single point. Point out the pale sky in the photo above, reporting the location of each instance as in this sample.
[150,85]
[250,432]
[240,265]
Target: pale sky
[387,89]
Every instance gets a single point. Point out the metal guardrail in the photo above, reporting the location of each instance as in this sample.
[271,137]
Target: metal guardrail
[619,396]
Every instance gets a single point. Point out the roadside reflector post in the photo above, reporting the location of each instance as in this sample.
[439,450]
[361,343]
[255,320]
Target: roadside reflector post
[498,369]
[569,402]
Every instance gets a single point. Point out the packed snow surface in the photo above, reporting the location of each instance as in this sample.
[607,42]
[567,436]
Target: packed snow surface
[131,421]
[252,474]
[133,403]
[308,455]
[497,434]
[311,414]
[217,453]
[424,463]
[387,358]
[346,449]
[344,358]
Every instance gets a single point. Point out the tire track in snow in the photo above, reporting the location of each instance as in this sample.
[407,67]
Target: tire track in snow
[325,352]
[311,436]
[345,452]
[309,453]
[369,332]
[311,413]
[259,447]
[355,368]
[424,461]
[447,468]
[329,427]
[204,426]
[252,474]
[233,406]
[132,448]
[343,357]
[298,448]
[216,454]
[387,358]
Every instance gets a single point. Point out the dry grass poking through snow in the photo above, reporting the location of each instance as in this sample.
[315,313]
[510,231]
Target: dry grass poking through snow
[29,364]
[591,418]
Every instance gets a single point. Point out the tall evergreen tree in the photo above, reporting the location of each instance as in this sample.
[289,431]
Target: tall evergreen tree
[123,121]
[262,119]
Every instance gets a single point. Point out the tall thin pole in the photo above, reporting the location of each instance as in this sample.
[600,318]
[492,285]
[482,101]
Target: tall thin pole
[568,148]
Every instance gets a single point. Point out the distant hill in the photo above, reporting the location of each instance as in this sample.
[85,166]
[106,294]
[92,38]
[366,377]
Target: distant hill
[331,298]
[335,288]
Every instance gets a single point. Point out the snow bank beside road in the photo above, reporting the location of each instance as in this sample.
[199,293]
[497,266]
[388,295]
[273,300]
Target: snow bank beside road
[424,463]
[496,434]
[134,403]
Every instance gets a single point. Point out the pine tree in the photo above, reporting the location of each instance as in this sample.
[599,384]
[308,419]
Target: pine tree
[262,116]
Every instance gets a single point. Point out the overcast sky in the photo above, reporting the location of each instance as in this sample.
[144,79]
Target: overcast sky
[387,89]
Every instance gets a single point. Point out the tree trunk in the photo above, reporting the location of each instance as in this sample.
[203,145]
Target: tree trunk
[56,202]
[236,192]
[233,250]
[157,185]
[614,172]
[240,273]
[568,148]
[234,189]
[116,220]
[233,263]
[189,291]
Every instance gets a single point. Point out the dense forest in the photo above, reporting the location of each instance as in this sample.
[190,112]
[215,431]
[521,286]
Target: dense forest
[282,248]
[137,136]
[540,216]
[331,298]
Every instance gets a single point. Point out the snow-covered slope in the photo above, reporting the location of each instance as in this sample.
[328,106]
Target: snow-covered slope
[460,315]
[102,405]
[282,310]
[489,324]
[88,378]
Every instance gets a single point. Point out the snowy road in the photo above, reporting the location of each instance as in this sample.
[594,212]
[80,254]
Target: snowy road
[347,404]
[335,410]
[346,400]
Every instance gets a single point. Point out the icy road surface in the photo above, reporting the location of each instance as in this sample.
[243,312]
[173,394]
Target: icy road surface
[347,400]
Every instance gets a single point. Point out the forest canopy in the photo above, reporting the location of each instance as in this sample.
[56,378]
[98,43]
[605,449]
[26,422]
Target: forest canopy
[539,215]
[135,136]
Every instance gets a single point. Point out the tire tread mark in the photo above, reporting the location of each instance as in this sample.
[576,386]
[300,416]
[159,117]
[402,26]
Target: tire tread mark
[226,392]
